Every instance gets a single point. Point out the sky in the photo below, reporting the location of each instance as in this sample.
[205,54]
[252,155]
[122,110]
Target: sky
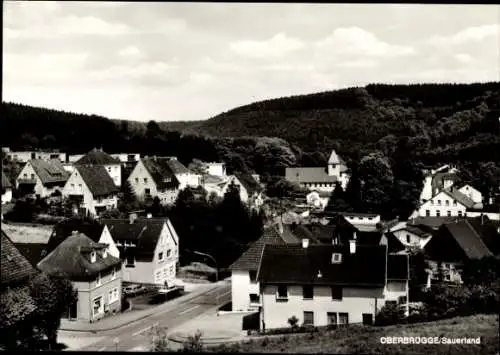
[191,61]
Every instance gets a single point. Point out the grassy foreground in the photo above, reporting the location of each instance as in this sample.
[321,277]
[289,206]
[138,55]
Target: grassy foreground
[356,340]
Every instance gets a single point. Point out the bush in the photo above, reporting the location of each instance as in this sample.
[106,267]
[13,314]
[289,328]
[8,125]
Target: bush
[194,343]
[159,340]
[48,219]
[293,321]
[390,314]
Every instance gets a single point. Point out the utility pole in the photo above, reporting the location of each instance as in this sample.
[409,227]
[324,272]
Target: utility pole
[216,271]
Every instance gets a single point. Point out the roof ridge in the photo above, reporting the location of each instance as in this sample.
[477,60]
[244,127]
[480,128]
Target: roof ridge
[260,261]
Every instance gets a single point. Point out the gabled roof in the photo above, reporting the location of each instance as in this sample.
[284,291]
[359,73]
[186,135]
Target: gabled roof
[250,259]
[487,229]
[177,167]
[162,172]
[460,197]
[49,171]
[34,252]
[419,230]
[309,175]
[6,184]
[293,264]
[71,259]
[248,182]
[15,267]
[439,177]
[97,180]
[64,229]
[144,233]
[468,239]
[433,222]
[334,158]
[97,157]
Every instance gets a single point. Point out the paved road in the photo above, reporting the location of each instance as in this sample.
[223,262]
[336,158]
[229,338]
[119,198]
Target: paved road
[138,333]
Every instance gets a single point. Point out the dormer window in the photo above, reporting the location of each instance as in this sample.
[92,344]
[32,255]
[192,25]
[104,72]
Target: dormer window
[336,258]
[93,257]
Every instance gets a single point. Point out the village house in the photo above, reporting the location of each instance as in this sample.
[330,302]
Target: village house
[91,190]
[215,169]
[25,156]
[450,246]
[149,248]
[245,289]
[319,178]
[96,231]
[436,180]
[318,199]
[449,202]
[250,189]
[97,157]
[95,274]
[128,160]
[161,177]
[329,284]
[6,189]
[16,273]
[411,235]
[41,177]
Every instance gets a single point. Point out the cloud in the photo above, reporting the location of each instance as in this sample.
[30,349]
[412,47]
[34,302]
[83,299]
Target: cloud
[279,45]
[463,57]
[355,41]
[471,34]
[130,52]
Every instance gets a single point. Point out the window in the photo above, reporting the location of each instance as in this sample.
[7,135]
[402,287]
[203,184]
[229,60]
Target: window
[169,251]
[454,203]
[32,176]
[308,318]
[367,318]
[438,213]
[282,293]
[165,273]
[112,296]
[331,318]
[109,169]
[432,203]
[147,191]
[253,275]
[336,293]
[448,213]
[308,292]
[343,318]
[408,239]
[113,274]
[97,306]
[172,271]
[98,280]
[336,258]
[72,186]
[459,213]
[447,202]
[402,299]
[80,187]
[160,256]
[370,218]
[439,202]
[427,213]
[130,261]
[145,180]
[391,303]
[254,298]
[158,276]
[136,180]
[25,175]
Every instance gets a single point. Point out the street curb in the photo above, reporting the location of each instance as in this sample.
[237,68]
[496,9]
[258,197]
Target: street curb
[153,311]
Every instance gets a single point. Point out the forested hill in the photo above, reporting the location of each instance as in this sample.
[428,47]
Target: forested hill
[446,121]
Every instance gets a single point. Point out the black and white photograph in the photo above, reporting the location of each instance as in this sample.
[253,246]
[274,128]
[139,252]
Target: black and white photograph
[250,177]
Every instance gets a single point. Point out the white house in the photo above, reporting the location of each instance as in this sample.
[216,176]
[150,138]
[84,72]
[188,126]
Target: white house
[126,158]
[6,189]
[320,178]
[329,284]
[318,199]
[447,203]
[99,157]
[41,177]
[161,177]
[91,189]
[437,180]
[149,248]
[412,236]
[215,169]
[24,156]
[472,193]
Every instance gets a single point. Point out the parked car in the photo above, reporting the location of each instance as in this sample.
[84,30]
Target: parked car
[134,290]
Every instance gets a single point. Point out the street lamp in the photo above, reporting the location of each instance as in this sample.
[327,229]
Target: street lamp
[216,270]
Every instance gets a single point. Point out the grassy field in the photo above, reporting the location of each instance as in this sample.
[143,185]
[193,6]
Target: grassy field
[366,340]
[20,233]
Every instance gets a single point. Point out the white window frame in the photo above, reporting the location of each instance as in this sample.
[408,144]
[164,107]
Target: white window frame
[304,318]
[101,307]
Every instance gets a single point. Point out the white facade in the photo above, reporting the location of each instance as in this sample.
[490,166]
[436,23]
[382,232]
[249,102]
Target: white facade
[442,205]
[316,200]
[77,186]
[28,173]
[106,238]
[355,302]
[7,195]
[362,220]
[188,179]
[25,156]
[216,169]
[472,193]
[426,193]
[409,239]
[115,172]
[491,215]
[143,185]
[127,157]
[245,293]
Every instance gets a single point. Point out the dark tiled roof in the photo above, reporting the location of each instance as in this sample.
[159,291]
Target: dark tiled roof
[288,235]
[144,233]
[248,182]
[309,175]
[97,180]
[97,157]
[293,264]
[34,252]
[487,229]
[468,239]
[438,178]
[15,268]
[250,259]
[398,267]
[50,171]
[177,167]
[64,229]
[162,173]
[71,259]
[5,182]
[433,222]
[394,245]
[460,197]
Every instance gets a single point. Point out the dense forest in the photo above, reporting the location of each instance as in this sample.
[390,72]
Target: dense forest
[385,133]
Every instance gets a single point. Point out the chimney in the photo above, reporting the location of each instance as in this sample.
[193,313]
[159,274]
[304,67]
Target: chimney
[352,246]
[149,215]
[132,217]
[305,243]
